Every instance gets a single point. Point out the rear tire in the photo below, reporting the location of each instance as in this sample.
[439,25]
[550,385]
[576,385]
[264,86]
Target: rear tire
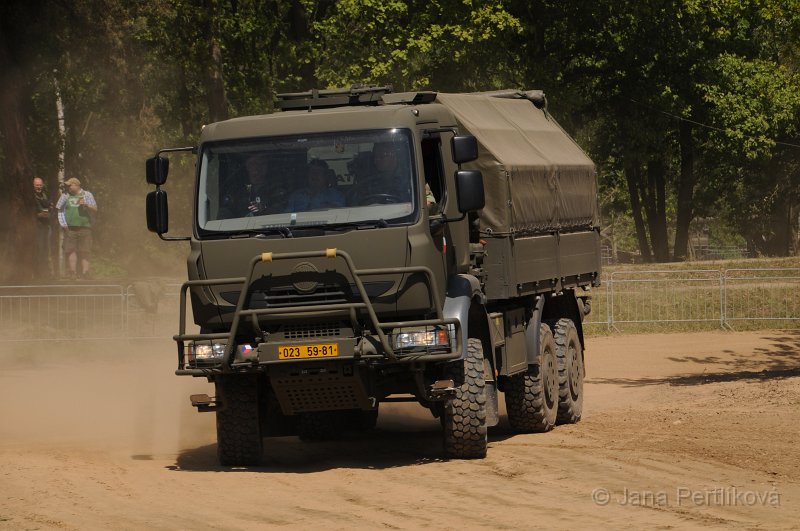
[532,396]
[464,418]
[570,372]
[239,438]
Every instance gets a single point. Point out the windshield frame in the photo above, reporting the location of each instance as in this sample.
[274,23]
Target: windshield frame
[310,219]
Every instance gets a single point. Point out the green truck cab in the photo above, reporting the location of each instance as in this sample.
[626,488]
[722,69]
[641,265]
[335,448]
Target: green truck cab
[362,246]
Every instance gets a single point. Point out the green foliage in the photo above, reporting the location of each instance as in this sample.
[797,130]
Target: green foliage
[755,101]
[444,44]
[622,76]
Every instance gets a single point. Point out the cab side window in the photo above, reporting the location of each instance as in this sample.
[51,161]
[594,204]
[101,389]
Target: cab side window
[434,174]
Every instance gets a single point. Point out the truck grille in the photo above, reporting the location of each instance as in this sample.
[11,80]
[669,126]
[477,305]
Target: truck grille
[309,331]
[288,297]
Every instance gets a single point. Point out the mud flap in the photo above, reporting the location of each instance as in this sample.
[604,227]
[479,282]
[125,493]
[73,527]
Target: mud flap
[492,408]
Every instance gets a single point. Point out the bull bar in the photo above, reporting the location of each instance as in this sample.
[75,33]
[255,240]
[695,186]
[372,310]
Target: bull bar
[242,312]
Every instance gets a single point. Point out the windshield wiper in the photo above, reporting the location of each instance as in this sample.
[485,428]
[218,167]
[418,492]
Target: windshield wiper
[372,224]
[285,232]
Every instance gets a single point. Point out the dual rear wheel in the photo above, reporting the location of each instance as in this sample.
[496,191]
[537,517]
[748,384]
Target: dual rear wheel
[550,392]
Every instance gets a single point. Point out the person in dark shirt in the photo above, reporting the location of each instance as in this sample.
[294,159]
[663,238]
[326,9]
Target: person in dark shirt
[42,247]
[387,183]
[258,195]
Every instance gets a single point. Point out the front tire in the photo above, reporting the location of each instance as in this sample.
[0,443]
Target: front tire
[570,372]
[239,437]
[464,418]
[532,396]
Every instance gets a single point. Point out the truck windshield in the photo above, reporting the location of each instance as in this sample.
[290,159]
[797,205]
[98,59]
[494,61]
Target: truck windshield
[307,180]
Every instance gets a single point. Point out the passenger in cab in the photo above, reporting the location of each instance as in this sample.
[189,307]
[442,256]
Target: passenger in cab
[316,194]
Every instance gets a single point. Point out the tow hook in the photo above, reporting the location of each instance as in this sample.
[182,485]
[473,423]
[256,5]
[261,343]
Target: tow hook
[204,403]
[442,388]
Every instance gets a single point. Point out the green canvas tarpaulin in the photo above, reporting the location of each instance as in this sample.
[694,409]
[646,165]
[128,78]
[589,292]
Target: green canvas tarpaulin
[536,177]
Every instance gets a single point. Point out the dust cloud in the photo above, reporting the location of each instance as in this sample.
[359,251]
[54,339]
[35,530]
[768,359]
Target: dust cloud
[112,396]
[120,396]
[94,436]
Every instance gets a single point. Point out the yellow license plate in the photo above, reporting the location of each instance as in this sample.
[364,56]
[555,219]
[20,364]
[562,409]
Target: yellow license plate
[325,350]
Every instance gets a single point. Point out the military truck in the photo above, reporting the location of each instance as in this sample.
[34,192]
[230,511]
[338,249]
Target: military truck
[360,247]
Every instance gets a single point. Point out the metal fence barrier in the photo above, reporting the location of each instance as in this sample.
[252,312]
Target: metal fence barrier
[734,299]
[625,301]
[151,310]
[757,295]
[665,297]
[61,312]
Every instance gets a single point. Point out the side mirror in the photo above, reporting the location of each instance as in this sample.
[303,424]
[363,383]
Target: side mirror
[157,212]
[469,191]
[464,148]
[157,169]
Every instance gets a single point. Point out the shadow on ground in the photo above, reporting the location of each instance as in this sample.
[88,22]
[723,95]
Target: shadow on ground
[781,360]
[377,449]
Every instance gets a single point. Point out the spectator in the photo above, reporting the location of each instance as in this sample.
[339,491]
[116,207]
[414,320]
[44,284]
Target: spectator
[76,213]
[316,194]
[42,247]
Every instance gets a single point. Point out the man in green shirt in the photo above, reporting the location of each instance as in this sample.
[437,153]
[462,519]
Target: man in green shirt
[76,211]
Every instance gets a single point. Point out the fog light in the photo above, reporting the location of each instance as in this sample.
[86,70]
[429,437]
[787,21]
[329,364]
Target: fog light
[206,351]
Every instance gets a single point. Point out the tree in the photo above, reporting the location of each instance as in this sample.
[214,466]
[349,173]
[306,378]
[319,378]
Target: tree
[18,49]
[756,107]
[444,44]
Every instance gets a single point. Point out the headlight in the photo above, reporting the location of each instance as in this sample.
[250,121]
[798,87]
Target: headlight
[206,351]
[421,337]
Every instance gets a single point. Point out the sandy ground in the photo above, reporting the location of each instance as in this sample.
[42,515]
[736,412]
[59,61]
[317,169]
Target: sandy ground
[679,431]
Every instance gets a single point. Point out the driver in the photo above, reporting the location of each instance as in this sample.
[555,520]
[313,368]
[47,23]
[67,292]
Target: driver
[387,183]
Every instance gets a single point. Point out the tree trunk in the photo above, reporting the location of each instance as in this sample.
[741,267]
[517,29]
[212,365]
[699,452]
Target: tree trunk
[215,84]
[19,211]
[632,171]
[185,98]
[300,32]
[685,192]
[656,182]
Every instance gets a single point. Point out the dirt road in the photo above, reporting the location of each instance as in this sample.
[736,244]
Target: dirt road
[679,431]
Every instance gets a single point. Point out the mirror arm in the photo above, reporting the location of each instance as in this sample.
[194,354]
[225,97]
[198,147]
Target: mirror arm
[429,132]
[193,149]
[174,238]
[449,220]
